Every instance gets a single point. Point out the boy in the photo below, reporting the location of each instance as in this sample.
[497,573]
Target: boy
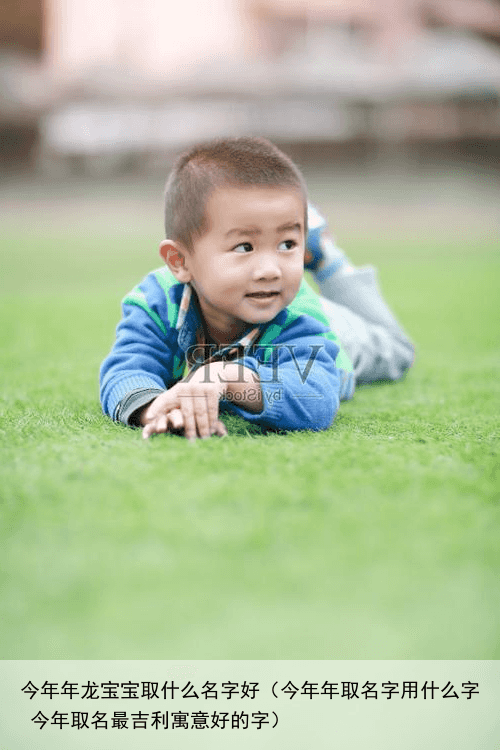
[229,323]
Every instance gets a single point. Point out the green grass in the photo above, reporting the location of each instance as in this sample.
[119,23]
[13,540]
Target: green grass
[377,539]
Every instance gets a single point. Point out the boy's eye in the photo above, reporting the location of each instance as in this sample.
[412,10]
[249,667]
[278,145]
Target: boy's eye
[245,247]
[287,245]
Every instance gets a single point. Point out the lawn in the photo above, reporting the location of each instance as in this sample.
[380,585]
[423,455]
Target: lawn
[377,539]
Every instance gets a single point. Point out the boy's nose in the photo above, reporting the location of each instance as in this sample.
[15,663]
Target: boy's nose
[267,267]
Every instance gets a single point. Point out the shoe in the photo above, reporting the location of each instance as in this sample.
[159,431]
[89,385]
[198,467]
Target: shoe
[322,256]
[316,224]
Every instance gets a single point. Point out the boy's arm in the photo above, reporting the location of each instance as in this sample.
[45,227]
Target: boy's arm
[300,387]
[302,369]
[141,364]
[145,360]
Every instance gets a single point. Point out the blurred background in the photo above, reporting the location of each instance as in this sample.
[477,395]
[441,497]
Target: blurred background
[370,90]
[124,82]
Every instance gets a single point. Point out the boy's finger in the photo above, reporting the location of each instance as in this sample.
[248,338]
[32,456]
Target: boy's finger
[201,415]
[162,423]
[220,429]
[166,402]
[149,430]
[175,419]
[213,409]
[155,427]
[188,417]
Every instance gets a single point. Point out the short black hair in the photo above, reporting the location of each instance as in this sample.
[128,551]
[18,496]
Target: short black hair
[245,161]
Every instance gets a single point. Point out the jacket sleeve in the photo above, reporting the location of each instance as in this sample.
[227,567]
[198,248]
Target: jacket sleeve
[299,380]
[143,358]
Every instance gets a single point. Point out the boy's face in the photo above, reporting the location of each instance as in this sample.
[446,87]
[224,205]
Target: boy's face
[249,263]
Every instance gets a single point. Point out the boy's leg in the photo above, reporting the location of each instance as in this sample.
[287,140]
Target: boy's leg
[378,346]
[358,290]
[376,352]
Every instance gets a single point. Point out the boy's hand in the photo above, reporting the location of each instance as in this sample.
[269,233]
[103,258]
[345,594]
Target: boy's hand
[191,406]
[174,422]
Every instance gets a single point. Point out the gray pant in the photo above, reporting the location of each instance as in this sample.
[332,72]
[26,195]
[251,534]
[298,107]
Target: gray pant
[377,345]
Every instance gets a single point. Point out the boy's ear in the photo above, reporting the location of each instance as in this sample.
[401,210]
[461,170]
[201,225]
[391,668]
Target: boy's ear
[174,257]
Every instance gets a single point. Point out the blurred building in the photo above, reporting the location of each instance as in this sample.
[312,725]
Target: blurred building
[21,42]
[107,82]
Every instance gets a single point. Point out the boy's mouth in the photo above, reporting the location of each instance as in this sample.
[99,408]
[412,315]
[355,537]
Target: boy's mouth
[262,295]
